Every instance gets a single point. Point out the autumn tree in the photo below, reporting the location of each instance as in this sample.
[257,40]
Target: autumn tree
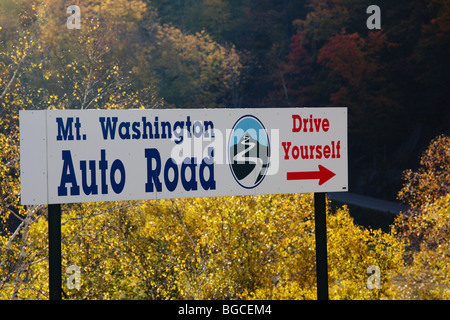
[425,225]
[16,65]
[426,273]
[423,188]
[247,247]
[33,79]
[385,77]
[88,67]
[357,73]
[192,70]
[431,180]
[293,77]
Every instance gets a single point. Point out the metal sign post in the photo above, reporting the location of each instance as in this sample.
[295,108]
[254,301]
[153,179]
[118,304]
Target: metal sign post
[321,245]
[54,251]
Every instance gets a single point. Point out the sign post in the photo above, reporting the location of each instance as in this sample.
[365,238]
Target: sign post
[74,156]
[320,220]
[54,251]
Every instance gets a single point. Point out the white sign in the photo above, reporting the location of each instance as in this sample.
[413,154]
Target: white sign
[70,156]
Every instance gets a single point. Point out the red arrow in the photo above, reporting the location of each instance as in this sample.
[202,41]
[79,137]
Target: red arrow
[323,175]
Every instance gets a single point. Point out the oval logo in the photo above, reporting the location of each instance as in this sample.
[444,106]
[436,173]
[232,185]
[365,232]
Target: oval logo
[249,151]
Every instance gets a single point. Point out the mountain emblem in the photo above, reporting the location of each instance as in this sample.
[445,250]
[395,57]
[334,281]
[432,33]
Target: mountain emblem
[249,152]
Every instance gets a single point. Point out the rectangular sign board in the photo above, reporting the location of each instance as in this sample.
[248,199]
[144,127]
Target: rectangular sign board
[70,156]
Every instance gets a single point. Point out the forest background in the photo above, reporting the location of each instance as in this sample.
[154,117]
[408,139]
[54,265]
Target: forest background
[217,53]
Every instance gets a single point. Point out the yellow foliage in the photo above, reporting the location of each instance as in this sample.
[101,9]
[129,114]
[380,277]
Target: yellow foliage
[426,225]
[428,273]
[249,247]
[432,180]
